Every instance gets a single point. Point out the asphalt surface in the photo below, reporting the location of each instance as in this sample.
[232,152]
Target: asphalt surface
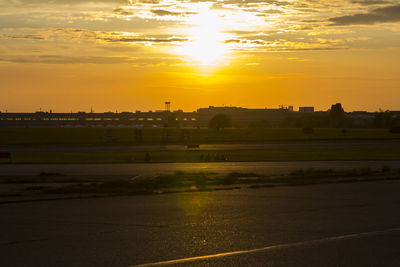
[127,148]
[166,168]
[355,224]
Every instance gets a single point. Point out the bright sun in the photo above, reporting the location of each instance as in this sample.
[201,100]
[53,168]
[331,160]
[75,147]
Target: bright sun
[206,45]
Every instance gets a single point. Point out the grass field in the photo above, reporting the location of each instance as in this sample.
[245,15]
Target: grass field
[314,150]
[186,182]
[125,136]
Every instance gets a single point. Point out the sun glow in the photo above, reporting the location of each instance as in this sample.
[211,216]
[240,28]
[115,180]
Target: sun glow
[207,41]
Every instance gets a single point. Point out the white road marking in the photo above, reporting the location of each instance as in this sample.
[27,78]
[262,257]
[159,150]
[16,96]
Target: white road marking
[280,246]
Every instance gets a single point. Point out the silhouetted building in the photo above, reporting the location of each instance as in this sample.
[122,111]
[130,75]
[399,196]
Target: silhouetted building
[241,117]
[306,109]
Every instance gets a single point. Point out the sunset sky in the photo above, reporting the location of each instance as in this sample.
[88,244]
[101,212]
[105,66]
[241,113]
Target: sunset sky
[71,55]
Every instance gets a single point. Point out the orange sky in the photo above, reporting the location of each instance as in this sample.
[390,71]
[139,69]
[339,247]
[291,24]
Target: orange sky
[134,55]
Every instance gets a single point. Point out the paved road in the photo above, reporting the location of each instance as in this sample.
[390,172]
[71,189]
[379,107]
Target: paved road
[127,148]
[164,168]
[354,224]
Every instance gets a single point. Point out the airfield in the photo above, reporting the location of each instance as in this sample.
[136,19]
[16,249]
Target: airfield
[269,197]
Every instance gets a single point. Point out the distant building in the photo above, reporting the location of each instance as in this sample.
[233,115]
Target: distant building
[361,118]
[242,117]
[306,109]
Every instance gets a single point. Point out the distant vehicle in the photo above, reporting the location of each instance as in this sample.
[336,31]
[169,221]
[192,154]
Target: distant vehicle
[193,146]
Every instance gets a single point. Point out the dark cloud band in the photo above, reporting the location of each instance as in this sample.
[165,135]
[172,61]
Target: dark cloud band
[378,15]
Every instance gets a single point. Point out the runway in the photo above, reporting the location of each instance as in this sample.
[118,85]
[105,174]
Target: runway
[205,147]
[166,168]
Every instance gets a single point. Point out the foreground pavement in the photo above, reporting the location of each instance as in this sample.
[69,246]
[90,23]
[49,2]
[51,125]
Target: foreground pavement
[356,224]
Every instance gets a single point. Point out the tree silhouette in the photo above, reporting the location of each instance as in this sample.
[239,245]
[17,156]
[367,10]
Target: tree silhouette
[337,115]
[382,119]
[220,121]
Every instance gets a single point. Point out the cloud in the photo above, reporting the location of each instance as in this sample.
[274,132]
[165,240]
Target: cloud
[153,2]
[272,11]
[144,40]
[251,25]
[259,45]
[56,59]
[378,15]
[161,12]
[234,41]
[27,36]
[370,2]
[250,2]
[121,11]
[69,2]
[70,34]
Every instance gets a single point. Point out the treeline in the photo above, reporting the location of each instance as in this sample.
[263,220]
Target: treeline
[320,120]
[334,118]
[387,120]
